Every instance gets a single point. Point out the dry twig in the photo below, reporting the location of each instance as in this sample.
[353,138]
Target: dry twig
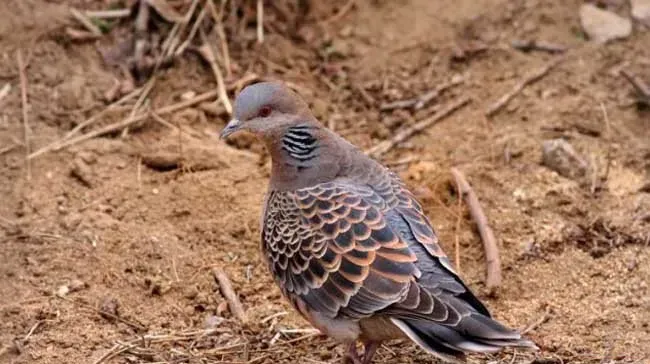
[124,123]
[83,19]
[109,108]
[493,262]
[206,52]
[531,78]
[639,85]
[80,35]
[260,21]
[383,147]
[218,25]
[537,45]
[229,293]
[8,148]
[4,91]
[341,13]
[195,28]
[422,100]
[141,26]
[545,317]
[132,324]
[140,101]
[108,14]
[23,97]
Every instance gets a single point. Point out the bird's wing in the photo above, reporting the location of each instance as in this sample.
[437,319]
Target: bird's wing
[406,217]
[463,323]
[331,246]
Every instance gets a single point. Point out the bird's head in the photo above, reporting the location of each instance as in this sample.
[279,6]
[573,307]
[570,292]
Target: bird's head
[266,109]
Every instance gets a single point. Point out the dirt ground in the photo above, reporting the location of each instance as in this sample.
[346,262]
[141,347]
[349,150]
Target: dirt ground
[106,259]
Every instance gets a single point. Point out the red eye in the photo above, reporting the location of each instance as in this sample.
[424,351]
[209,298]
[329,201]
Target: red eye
[264,111]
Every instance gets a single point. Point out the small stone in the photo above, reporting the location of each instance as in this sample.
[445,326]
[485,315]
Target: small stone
[71,221]
[346,31]
[213,321]
[77,285]
[188,95]
[82,172]
[559,155]
[190,293]
[222,308]
[74,286]
[155,191]
[109,307]
[641,11]
[603,26]
[62,291]
[88,157]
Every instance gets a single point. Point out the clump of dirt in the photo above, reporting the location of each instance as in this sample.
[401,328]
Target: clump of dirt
[600,238]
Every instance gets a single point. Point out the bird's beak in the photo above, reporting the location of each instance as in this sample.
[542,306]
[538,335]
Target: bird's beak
[233,126]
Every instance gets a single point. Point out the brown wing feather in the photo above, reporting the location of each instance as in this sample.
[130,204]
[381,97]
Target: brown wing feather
[330,246]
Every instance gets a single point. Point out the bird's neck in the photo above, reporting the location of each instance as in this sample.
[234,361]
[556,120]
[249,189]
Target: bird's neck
[304,163]
[304,156]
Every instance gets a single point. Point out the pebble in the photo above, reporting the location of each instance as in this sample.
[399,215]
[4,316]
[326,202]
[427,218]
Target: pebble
[559,155]
[82,172]
[603,26]
[188,95]
[109,308]
[213,321]
[641,11]
[74,286]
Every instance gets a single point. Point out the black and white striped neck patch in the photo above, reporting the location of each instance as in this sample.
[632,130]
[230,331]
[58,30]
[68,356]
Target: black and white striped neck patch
[300,143]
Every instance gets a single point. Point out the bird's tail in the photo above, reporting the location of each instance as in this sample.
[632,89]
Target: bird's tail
[475,333]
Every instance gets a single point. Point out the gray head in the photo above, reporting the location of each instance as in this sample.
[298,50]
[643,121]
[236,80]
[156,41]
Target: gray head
[266,108]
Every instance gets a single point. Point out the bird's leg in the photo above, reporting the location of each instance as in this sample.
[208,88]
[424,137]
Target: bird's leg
[352,356]
[370,350]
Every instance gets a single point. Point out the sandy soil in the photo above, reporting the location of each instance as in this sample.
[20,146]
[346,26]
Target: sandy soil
[140,242]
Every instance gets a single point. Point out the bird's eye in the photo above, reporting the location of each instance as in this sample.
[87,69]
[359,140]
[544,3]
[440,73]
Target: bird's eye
[264,111]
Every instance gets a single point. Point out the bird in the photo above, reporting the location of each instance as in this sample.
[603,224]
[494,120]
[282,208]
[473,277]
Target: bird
[349,245]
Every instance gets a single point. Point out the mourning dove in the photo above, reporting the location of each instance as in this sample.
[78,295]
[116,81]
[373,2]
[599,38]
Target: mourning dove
[349,245]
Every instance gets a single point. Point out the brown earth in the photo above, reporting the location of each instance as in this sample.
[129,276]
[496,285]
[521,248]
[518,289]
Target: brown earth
[139,242]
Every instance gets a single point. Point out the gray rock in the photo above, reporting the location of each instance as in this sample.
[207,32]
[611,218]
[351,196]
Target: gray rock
[603,26]
[641,11]
[559,155]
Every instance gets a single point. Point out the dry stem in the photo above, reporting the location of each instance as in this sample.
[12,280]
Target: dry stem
[532,78]
[493,262]
[81,18]
[260,21]
[383,147]
[641,87]
[537,45]
[206,52]
[545,317]
[421,100]
[341,13]
[23,97]
[229,293]
[218,24]
[124,123]
[108,14]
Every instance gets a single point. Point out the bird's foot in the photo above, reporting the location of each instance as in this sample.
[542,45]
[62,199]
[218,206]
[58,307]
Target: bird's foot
[352,356]
[370,350]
